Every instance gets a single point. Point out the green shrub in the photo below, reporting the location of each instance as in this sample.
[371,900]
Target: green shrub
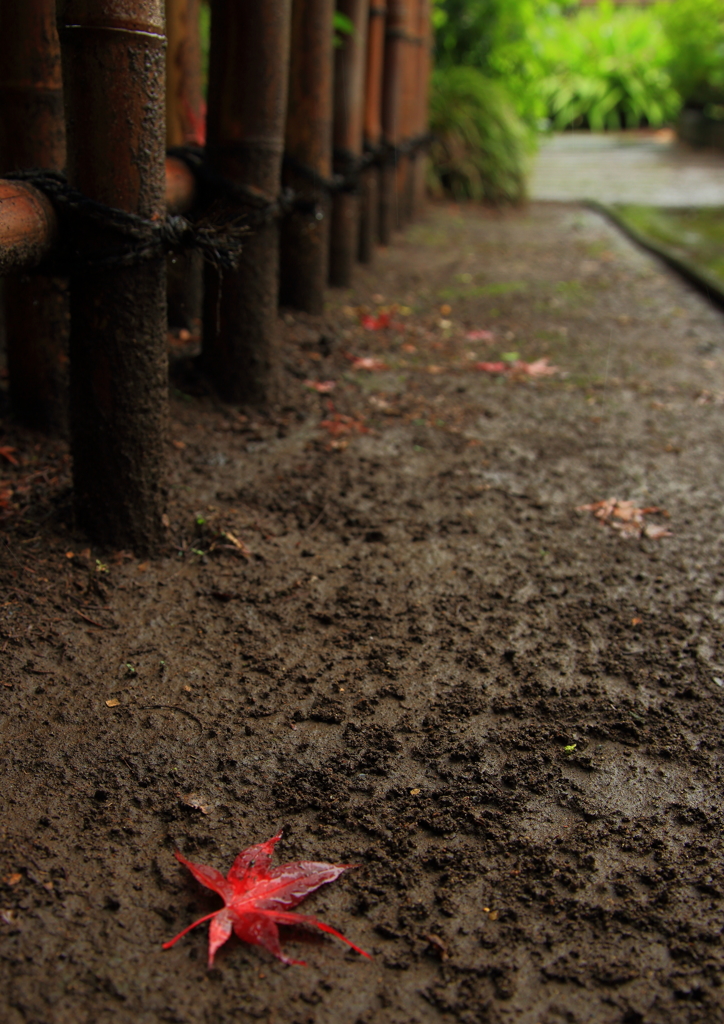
[606,68]
[480,145]
[696,31]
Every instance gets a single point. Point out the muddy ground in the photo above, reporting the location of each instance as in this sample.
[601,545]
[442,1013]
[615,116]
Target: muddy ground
[422,659]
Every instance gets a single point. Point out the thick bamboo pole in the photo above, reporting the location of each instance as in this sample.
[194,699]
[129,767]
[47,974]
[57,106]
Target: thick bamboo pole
[369,202]
[32,134]
[29,226]
[391,112]
[245,141]
[423,103]
[113,81]
[185,107]
[349,81]
[185,123]
[305,233]
[407,114]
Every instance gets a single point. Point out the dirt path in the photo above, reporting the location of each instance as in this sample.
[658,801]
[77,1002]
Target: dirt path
[427,663]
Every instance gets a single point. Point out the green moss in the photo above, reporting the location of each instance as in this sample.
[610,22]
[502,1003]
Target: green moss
[695,236]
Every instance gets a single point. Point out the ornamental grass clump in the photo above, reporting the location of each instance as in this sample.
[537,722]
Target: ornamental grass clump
[480,146]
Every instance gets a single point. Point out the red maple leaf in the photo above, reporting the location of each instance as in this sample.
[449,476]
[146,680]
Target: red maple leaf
[258,899]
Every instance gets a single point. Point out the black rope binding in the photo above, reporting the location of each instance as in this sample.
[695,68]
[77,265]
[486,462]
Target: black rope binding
[231,210]
[127,239]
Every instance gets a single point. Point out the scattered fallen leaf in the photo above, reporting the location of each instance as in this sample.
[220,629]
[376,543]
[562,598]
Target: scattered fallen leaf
[322,386]
[8,915]
[180,445]
[375,323]
[539,368]
[445,310]
[517,367]
[13,879]
[240,546]
[7,453]
[197,801]
[438,944]
[480,336]
[636,622]
[257,899]
[415,792]
[493,915]
[367,363]
[491,367]
[626,518]
[113,703]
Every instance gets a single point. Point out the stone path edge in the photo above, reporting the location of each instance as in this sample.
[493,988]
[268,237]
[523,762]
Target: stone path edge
[709,287]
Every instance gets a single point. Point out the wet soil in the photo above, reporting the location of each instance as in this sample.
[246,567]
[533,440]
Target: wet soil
[382,625]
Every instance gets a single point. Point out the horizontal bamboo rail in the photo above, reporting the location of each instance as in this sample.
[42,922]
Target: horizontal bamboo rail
[29,226]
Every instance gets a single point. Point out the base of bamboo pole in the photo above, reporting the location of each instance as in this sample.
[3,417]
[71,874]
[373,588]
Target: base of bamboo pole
[369,214]
[343,241]
[305,255]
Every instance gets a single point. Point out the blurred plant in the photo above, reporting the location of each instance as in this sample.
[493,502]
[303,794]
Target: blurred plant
[606,68]
[603,67]
[480,145]
[695,29]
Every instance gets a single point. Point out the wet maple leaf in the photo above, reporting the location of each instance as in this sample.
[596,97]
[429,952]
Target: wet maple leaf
[257,899]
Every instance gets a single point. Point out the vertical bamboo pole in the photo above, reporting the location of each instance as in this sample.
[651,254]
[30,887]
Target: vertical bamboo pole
[369,203]
[185,123]
[113,80]
[423,101]
[349,78]
[185,107]
[305,233]
[245,141]
[407,113]
[32,134]
[391,110]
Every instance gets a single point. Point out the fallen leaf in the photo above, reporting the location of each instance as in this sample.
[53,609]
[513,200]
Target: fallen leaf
[322,386]
[376,323]
[113,703]
[437,943]
[13,879]
[480,336]
[626,518]
[517,367]
[491,367]
[367,363]
[180,445]
[240,546]
[445,310]
[257,899]
[7,454]
[339,425]
[197,801]
[539,368]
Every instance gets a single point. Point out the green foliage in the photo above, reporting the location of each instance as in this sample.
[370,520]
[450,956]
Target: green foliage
[606,68]
[480,145]
[603,67]
[696,31]
[343,26]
